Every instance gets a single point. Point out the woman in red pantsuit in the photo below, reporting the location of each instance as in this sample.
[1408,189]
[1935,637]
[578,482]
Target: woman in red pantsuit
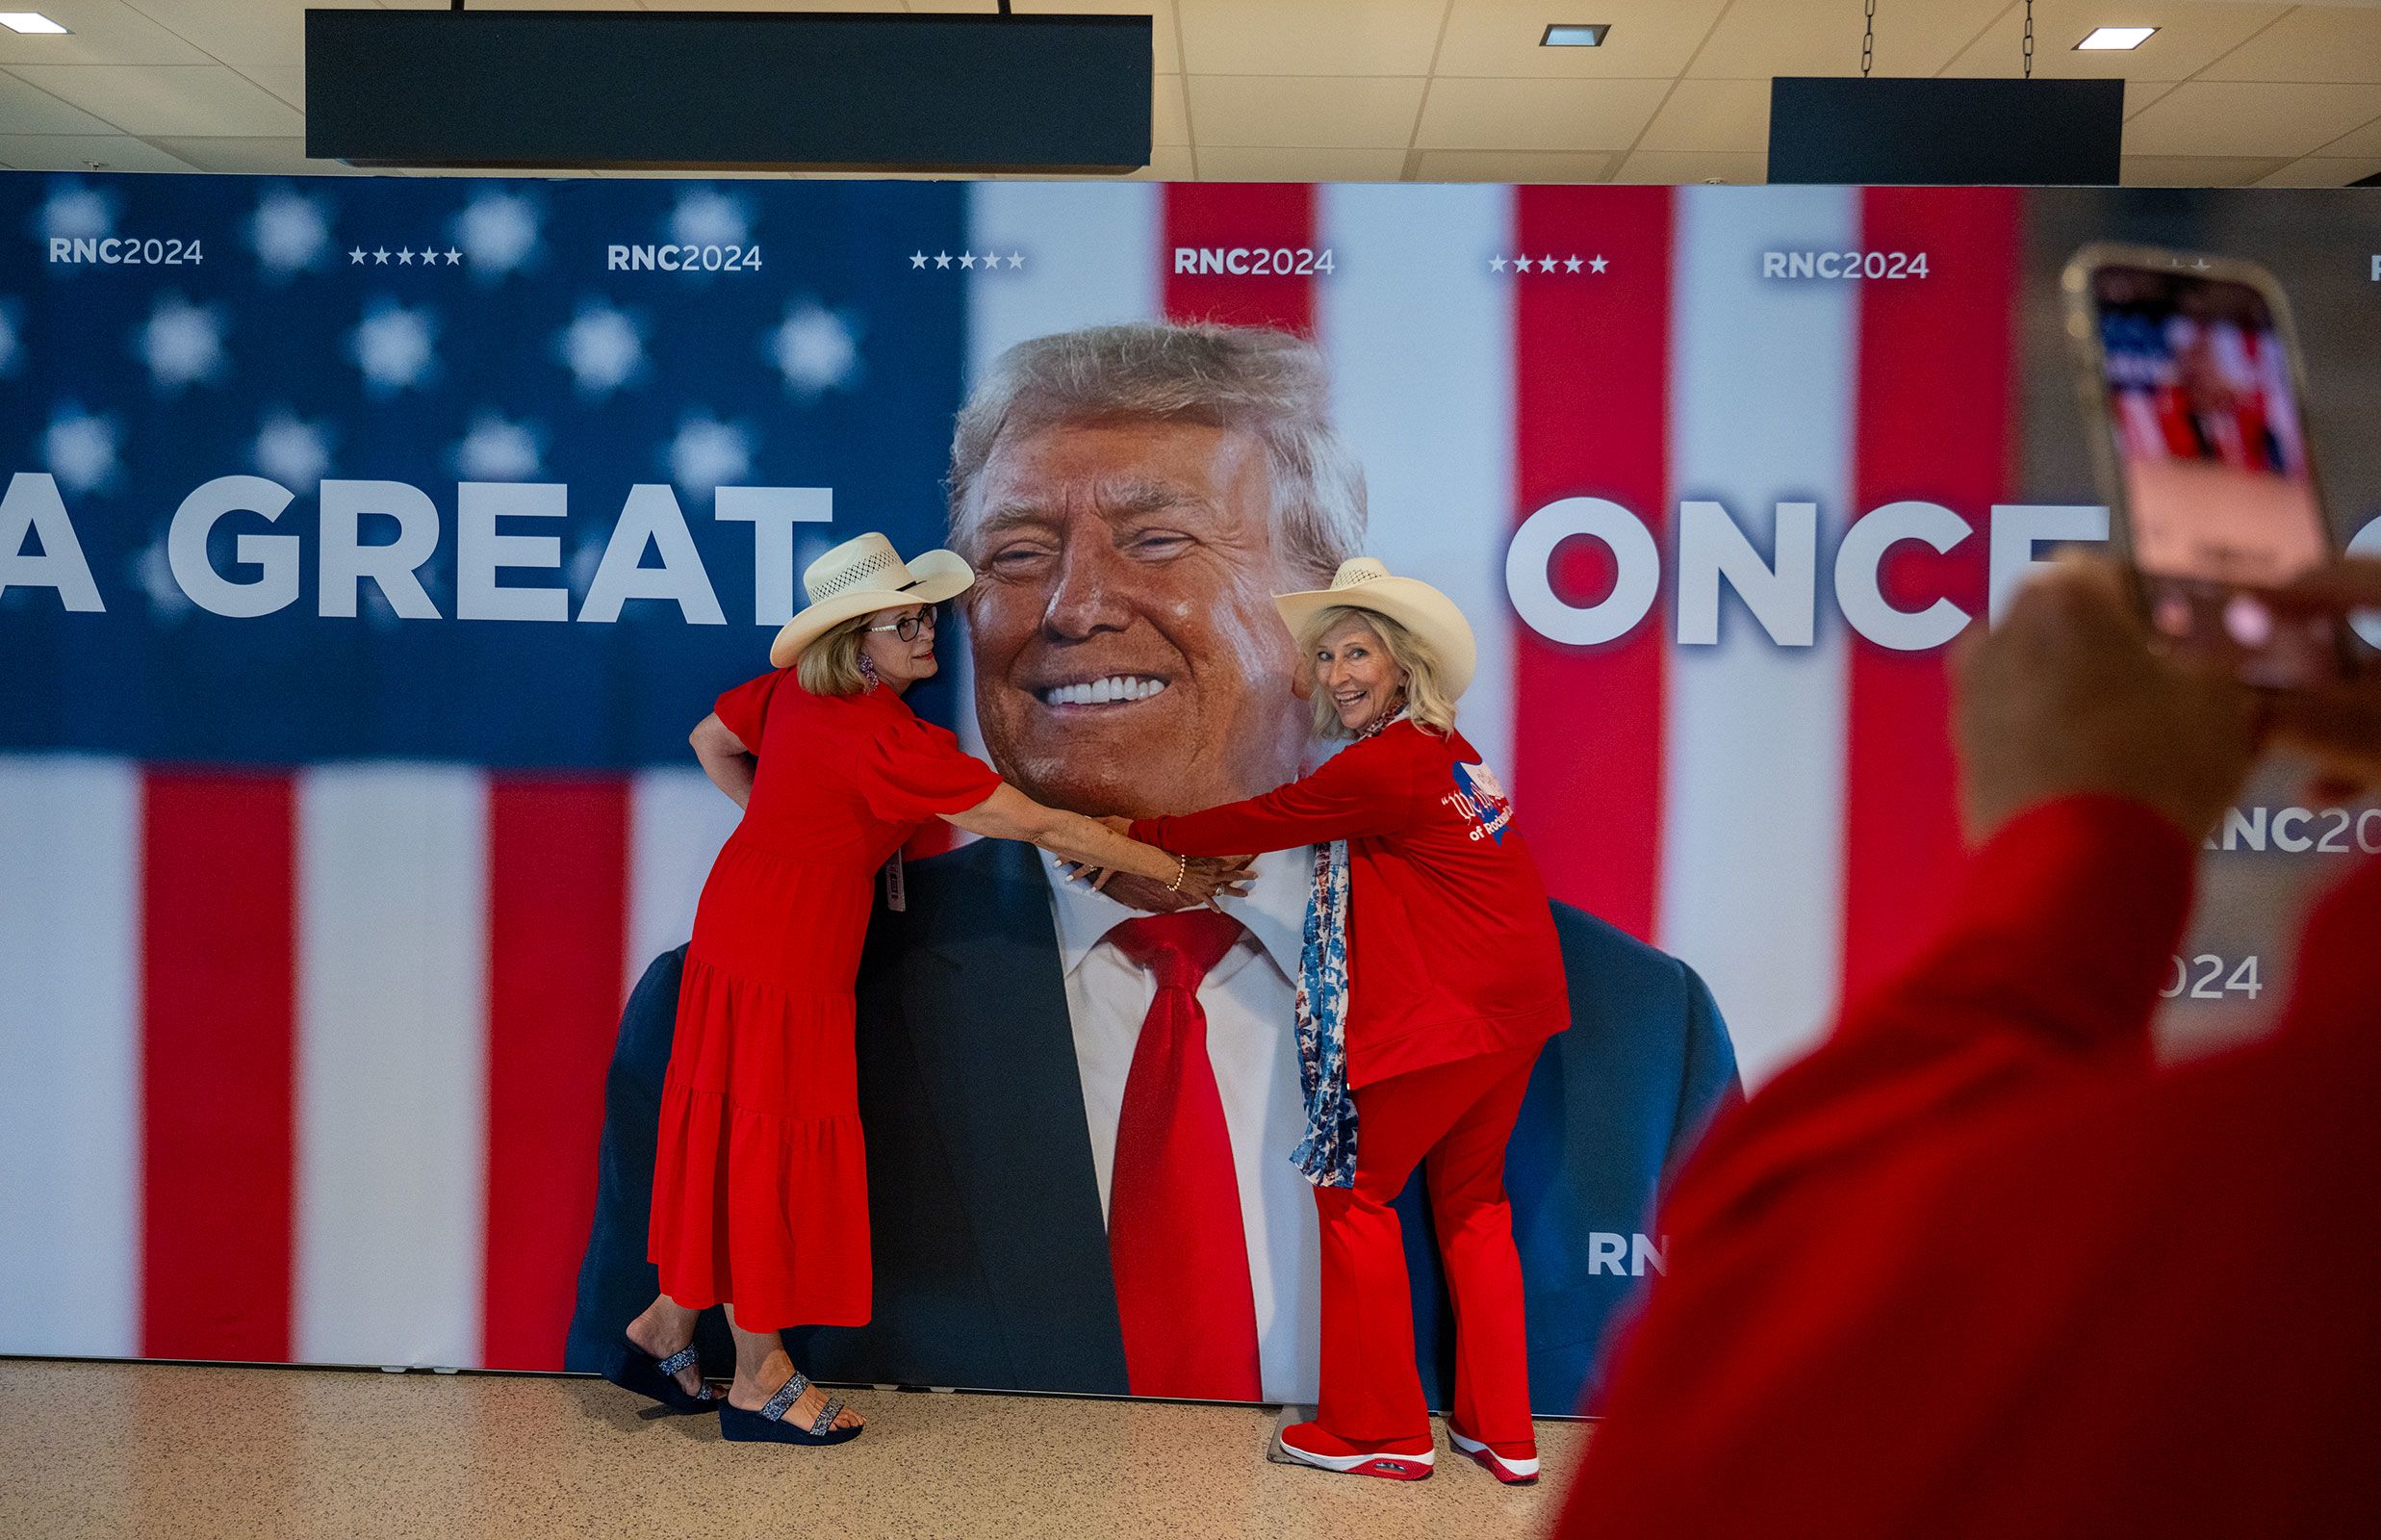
[1432,978]
[760,1195]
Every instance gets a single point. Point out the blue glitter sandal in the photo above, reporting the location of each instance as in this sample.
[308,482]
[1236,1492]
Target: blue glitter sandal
[656,1379]
[768,1425]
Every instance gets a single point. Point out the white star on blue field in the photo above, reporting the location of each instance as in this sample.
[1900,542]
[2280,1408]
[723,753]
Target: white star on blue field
[293,451]
[497,450]
[603,348]
[707,453]
[815,349]
[394,346]
[80,448]
[499,231]
[182,343]
[291,233]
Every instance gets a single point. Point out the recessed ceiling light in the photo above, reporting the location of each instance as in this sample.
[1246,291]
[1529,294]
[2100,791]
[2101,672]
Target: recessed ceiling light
[31,21]
[2117,38]
[1575,35]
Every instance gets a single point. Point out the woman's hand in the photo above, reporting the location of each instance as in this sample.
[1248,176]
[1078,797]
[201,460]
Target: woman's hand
[1208,878]
[1204,879]
[2064,696]
[2340,723]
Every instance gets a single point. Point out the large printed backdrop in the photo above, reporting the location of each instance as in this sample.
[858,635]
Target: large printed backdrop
[320,892]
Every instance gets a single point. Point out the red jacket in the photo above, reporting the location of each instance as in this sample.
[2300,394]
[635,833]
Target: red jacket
[1976,1266]
[1451,947]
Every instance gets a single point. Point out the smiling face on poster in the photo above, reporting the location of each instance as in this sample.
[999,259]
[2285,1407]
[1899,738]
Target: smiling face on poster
[369,547]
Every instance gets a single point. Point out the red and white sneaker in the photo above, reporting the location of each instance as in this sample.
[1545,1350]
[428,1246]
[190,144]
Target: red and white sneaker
[1513,1464]
[1404,1459]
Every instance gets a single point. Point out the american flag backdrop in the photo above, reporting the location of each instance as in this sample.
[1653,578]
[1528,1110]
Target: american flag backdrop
[315,926]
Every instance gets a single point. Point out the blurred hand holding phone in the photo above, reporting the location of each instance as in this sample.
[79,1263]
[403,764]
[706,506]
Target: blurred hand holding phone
[2192,377]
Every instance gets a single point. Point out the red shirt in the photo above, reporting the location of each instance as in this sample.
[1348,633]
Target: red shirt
[1976,1266]
[1450,945]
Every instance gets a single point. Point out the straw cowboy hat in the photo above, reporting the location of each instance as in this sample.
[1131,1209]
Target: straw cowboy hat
[860,576]
[1364,582]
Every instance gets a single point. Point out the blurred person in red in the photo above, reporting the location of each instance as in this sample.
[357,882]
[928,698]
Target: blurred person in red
[1979,1264]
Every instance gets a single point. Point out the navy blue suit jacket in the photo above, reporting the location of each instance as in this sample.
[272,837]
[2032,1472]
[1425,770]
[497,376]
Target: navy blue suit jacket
[991,1251]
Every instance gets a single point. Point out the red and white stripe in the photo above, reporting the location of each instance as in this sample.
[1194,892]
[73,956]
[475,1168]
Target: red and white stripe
[308,1063]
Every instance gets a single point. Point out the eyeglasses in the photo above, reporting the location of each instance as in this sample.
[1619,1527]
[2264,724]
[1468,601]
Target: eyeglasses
[909,626]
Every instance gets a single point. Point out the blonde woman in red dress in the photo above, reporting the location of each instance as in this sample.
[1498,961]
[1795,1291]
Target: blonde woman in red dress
[760,1192]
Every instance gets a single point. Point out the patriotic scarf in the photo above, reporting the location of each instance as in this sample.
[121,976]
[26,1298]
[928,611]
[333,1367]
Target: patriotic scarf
[1326,1156]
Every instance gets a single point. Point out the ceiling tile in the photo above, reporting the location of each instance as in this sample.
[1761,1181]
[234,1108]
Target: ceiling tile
[1167,162]
[2194,171]
[2324,172]
[1218,164]
[264,39]
[1309,37]
[2140,93]
[168,99]
[1513,166]
[2191,36]
[1318,110]
[106,32]
[1544,115]
[26,109]
[1759,39]
[2364,141]
[2312,43]
[2226,118]
[1169,118]
[1711,114]
[1688,168]
[1500,38]
[75,152]
[267,157]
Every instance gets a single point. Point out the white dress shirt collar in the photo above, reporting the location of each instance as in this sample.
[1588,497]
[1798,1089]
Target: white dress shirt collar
[1274,912]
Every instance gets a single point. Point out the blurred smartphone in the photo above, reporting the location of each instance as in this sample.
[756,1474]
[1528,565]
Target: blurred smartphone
[2191,378]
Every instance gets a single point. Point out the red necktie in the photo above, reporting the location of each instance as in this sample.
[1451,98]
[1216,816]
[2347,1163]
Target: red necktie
[1174,1237]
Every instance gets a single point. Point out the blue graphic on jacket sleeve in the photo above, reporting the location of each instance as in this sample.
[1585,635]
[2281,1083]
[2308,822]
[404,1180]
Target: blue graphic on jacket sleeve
[1479,796]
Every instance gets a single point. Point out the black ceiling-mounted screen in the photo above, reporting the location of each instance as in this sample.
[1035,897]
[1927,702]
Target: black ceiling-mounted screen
[1947,133]
[728,90]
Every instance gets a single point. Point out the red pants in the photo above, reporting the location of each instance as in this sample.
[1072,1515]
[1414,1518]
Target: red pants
[1454,1120]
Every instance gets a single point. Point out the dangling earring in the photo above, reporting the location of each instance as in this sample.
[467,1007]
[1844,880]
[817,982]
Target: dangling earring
[868,671]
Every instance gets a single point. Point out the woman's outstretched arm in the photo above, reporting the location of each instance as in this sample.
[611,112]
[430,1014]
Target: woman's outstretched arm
[723,757]
[1008,813]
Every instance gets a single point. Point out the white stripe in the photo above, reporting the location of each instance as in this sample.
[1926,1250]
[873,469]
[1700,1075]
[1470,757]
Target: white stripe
[1761,378]
[393,1026]
[1091,257]
[1090,254]
[1420,341]
[69,1056]
[676,822]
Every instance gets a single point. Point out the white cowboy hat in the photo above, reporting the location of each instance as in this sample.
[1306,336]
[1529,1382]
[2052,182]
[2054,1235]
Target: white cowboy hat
[1364,582]
[860,576]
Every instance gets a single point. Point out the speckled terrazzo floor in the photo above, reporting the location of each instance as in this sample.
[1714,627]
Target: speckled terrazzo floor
[183,1451]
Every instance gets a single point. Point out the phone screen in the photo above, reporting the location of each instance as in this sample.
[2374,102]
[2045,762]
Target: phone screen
[2203,404]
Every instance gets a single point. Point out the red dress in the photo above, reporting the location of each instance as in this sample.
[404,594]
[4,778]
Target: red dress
[760,1180]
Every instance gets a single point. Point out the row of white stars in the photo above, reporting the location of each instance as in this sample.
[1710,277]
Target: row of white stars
[405,257]
[967,259]
[1594,264]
